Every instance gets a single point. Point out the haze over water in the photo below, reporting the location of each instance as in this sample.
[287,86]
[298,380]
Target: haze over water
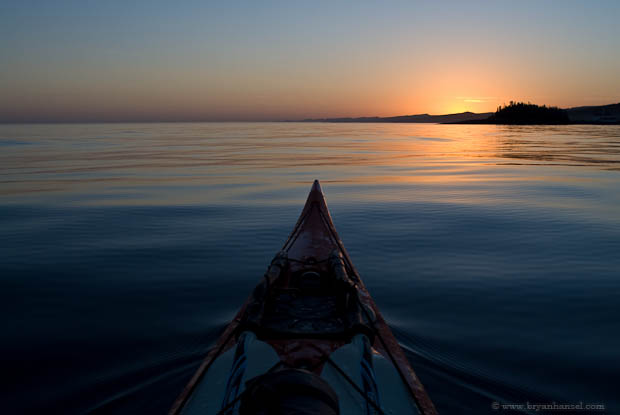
[492,251]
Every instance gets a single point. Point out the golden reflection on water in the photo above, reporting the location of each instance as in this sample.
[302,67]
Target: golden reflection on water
[205,162]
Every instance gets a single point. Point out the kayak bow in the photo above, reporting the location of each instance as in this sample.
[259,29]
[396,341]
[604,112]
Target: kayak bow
[309,339]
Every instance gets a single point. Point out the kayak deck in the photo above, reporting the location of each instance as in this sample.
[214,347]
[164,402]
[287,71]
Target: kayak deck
[310,323]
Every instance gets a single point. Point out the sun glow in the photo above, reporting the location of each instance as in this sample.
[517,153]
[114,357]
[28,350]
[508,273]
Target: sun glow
[285,63]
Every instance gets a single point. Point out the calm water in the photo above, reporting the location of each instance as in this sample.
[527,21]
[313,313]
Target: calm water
[493,252]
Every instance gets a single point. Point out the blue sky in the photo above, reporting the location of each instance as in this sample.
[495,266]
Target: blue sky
[94,60]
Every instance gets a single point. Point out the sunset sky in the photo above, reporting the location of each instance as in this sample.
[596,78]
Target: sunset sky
[266,60]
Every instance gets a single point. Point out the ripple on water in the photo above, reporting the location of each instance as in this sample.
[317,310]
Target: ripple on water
[491,250]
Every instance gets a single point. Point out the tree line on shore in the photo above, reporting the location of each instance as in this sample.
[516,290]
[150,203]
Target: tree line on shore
[528,113]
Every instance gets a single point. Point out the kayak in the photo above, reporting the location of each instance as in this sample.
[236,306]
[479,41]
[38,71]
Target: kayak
[308,340]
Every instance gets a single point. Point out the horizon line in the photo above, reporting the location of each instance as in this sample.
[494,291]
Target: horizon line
[160,121]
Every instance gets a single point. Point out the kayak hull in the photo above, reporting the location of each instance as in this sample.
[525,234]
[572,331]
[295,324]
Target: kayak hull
[312,312]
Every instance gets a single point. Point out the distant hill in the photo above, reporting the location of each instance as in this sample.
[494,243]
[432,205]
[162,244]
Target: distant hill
[601,114]
[530,114]
[420,118]
[521,114]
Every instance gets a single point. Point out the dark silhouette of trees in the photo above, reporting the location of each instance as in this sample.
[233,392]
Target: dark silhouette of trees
[522,113]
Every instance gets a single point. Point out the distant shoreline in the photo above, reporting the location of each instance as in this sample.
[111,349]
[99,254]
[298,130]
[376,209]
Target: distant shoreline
[419,118]
[297,121]
[484,122]
[588,115]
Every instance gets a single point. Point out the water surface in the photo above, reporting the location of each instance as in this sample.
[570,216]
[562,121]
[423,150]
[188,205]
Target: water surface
[125,249]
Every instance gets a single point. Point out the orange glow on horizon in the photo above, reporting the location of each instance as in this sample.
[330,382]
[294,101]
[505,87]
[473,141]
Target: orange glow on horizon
[442,84]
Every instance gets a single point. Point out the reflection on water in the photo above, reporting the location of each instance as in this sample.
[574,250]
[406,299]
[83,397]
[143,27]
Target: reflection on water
[134,163]
[491,250]
[570,146]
